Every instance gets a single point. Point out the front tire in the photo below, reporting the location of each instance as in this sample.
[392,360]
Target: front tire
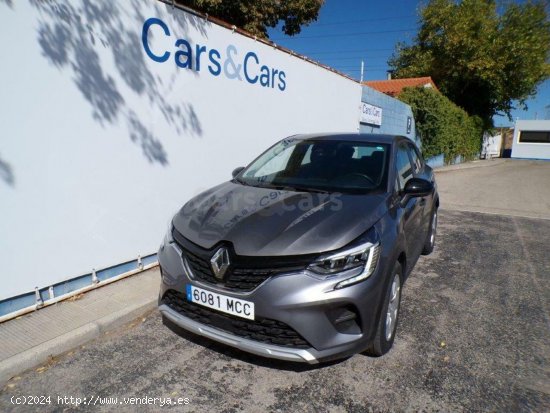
[429,244]
[387,324]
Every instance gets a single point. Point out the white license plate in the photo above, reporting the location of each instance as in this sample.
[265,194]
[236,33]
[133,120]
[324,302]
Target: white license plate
[223,303]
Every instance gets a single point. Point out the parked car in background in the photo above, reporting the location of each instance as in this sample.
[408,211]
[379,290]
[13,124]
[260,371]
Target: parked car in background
[303,254]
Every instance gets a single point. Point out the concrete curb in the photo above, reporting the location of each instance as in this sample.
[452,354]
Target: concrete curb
[470,165]
[40,353]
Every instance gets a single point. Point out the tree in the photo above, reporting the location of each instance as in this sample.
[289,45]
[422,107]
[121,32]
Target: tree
[444,127]
[481,59]
[255,16]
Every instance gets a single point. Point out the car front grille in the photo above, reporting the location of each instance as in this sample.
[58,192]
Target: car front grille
[245,273]
[263,330]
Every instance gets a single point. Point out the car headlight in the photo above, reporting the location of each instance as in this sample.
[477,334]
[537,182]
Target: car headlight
[361,258]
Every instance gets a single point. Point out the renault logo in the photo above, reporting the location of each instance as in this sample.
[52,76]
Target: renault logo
[220,263]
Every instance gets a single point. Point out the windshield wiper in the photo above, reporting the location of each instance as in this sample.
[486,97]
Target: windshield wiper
[253,184]
[305,189]
[282,187]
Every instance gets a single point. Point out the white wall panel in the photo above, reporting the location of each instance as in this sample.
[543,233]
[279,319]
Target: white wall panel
[100,145]
[530,150]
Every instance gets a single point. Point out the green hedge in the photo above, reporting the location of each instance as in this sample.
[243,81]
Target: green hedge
[444,127]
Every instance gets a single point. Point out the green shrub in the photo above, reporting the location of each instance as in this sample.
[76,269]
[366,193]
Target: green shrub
[443,126]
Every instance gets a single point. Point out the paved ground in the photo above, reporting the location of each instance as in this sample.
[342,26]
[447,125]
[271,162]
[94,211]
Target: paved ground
[509,187]
[474,335]
[51,321]
[28,340]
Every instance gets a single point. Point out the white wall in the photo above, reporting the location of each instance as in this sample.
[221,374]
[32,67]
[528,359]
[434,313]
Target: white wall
[100,145]
[530,150]
[491,146]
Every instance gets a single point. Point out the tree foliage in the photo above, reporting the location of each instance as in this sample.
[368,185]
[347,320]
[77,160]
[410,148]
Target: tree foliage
[255,16]
[444,127]
[482,56]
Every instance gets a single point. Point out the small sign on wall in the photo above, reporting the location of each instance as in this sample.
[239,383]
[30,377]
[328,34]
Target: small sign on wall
[371,114]
[409,124]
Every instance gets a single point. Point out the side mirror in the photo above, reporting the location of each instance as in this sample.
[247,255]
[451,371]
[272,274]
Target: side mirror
[237,171]
[418,187]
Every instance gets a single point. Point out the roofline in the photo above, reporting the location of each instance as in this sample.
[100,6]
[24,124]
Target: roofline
[397,79]
[270,43]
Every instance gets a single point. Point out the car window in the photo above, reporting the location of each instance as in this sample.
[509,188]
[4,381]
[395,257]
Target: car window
[276,164]
[326,165]
[417,162]
[307,156]
[403,165]
[363,151]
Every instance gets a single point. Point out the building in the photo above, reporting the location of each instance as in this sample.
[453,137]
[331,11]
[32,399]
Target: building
[531,139]
[393,87]
[381,113]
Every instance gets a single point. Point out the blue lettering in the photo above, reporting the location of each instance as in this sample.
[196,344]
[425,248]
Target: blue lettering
[144,38]
[199,50]
[282,83]
[232,70]
[187,53]
[264,77]
[214,53]
[248,56]
[273,73]
[254,72]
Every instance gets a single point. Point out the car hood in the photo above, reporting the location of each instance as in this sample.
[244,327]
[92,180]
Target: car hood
[268,222]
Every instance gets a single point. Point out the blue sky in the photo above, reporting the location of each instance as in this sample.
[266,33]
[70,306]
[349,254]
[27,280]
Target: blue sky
[348,31]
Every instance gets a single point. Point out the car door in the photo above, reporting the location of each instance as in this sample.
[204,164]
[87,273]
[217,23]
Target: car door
[412,207]
[421,170]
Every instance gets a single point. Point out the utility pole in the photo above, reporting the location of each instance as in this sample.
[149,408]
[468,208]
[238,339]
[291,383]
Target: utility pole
[362,69]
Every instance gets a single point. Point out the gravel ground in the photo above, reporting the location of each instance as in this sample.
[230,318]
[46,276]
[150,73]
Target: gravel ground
[474,335]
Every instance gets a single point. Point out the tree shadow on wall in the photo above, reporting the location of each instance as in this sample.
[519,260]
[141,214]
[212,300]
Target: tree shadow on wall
[6,173]
[70,36]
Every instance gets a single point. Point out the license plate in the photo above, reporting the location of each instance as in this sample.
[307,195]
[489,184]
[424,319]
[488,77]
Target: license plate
[223,303]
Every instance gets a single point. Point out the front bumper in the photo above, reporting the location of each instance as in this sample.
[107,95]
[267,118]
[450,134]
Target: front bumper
[307,304]
[251,346]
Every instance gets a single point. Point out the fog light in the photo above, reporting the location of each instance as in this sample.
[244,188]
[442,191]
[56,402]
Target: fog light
[345,319]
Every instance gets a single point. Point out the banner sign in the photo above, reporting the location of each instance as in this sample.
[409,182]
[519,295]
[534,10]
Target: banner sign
[371,114]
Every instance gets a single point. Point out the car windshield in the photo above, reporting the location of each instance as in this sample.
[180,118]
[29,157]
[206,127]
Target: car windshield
[320,165]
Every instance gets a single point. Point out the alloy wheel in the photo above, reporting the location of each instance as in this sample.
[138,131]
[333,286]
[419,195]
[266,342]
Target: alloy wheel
[434,228]
[393,306]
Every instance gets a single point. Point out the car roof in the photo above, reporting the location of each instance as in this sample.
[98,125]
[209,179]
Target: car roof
[354,137]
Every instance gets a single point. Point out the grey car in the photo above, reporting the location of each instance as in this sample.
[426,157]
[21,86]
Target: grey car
[303,254]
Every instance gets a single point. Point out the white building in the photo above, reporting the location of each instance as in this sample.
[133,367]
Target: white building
[531,139]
